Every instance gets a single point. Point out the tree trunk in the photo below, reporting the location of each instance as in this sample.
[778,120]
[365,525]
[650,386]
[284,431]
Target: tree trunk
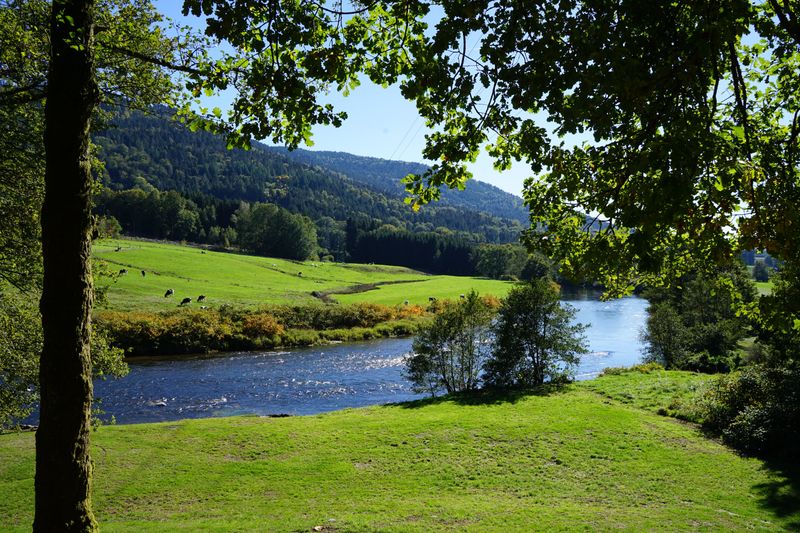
[63,467]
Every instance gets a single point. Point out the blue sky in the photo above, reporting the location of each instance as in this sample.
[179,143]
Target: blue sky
[381,123]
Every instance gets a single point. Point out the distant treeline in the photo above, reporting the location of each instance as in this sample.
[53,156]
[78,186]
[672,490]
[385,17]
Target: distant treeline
[431,252]
[384,175]
[270,230]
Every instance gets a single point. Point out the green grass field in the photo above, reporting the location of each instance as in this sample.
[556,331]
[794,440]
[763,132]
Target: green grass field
[588,458]
[764,287]
[252,281]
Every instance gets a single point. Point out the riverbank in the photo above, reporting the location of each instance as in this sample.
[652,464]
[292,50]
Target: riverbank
[168,299]
[581,457]
[227,329]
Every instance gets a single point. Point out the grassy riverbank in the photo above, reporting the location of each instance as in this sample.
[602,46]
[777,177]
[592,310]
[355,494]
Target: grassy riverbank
[254,303]
[249,281]
[190,331]
[592,456]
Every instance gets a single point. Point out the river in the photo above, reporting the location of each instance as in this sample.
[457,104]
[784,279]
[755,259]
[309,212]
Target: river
[324,378]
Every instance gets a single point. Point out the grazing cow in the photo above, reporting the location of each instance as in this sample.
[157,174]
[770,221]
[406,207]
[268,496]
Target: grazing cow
[203,307]
[202,251]
[123,271]
[431,299]
[300,274]
[405,302]
[462,296]
[186,301]
[144,273]
[118,249]
[201,298]
[169,292]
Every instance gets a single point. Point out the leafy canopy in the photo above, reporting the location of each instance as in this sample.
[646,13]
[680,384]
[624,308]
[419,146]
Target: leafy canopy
[134,44]
[685,113]
[285,55]
[688,111]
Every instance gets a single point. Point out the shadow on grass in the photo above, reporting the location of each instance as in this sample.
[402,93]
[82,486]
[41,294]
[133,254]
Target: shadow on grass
[782,495]
[485,396]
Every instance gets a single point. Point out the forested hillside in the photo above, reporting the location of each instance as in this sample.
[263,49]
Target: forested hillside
[170,157]
[385,175]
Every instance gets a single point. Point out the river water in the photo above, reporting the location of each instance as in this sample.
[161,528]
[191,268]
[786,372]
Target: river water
[324,378]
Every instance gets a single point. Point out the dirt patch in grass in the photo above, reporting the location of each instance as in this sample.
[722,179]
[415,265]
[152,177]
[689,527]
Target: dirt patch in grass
[325,296]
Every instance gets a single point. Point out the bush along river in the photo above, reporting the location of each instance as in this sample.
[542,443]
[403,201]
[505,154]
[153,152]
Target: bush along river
[324,378]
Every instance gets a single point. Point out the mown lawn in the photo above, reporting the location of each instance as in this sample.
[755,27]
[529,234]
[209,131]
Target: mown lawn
[764,287]
[570,459]
[244,280]
[435,286]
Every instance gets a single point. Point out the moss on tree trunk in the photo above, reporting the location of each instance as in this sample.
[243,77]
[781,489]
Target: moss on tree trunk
[63,467]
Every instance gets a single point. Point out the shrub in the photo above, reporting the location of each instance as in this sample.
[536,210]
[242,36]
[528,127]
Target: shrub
[322,317]
[491,301]
[369,314]
[756,410]
[261,324]
[300,337]
[644,368]
[197,331]
[410,311]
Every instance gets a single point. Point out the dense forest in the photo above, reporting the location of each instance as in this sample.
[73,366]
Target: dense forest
[385,175]
[170,157]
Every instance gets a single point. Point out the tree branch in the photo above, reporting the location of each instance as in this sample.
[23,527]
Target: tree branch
[154,60]
[17,95]
[787,20]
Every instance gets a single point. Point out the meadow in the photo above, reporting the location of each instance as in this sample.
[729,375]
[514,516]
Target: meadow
[589,456]
[250,281]
[764,287]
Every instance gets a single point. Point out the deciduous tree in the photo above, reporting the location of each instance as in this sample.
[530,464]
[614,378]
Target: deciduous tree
[269,230]
[449,353]
[534,338]
[284,56]
[697,323]
[675,123]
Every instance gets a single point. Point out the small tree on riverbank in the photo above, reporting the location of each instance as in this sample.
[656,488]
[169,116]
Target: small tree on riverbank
[534,338]
[448,354]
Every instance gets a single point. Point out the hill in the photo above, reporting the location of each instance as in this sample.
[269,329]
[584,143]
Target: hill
[385,175]
[244,280]
[555,460]
[170,157]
